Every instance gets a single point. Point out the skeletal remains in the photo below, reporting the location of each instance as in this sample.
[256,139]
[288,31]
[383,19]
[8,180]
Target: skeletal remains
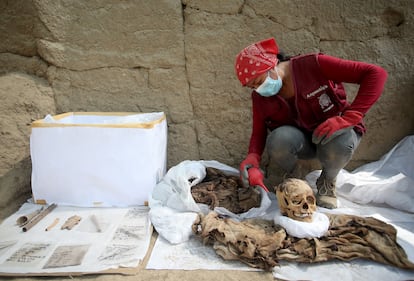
[296,199]
[262,243]
[220,190]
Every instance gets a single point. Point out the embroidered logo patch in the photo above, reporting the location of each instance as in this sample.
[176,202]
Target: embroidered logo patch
[325,102]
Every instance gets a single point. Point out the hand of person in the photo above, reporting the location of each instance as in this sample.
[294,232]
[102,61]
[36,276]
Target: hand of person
[251,160]
[256,178]
[335,126]
[250,173]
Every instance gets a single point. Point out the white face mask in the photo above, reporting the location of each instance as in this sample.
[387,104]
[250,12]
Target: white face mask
[270,86]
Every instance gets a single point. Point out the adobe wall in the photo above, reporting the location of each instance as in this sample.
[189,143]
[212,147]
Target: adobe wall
[177,57]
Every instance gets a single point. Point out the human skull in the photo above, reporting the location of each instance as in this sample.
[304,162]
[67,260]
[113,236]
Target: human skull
[296,199]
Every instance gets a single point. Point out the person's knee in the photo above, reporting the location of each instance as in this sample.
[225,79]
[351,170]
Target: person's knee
[283,137]
[284,141]
[340,149]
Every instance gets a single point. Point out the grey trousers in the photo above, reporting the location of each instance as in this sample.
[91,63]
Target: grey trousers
[286,144]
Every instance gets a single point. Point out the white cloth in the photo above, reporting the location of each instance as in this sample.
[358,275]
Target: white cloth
[316,228]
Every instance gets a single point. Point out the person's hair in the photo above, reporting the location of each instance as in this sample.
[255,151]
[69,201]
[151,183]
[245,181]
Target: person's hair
[282,56]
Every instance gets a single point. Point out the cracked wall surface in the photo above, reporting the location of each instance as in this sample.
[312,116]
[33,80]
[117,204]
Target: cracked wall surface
[177,56]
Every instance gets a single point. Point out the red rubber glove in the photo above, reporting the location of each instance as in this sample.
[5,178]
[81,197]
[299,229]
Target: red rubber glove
[250,173]
[256,178]
[335,126]
[252,159]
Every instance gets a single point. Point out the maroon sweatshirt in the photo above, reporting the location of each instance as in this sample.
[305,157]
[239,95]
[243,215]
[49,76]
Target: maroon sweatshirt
[319,94]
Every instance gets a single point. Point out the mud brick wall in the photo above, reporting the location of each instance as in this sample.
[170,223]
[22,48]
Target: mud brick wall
[177,56]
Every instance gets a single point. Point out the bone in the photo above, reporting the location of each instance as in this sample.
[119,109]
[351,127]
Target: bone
[220,190]
[71,222]
[296,199]
[53,224]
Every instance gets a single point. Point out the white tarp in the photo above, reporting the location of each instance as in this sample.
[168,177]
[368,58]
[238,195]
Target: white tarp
[193,255]
[366,183]
[389,180]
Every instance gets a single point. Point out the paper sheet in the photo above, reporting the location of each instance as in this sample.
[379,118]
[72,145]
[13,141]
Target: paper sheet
[105,238]
[190,255]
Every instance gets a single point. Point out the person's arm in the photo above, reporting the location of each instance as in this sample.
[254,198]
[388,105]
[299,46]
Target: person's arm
[370,77]
[250,172]
[259,130]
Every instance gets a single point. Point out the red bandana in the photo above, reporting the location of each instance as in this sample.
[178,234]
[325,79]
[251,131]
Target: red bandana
[255,60]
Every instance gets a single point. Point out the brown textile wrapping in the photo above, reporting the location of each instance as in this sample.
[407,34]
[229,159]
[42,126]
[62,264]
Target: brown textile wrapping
[220,190]
[262,244]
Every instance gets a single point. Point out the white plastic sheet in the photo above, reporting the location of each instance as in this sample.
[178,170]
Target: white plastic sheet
[192,255]
[316,228]
[389,168]
[173,209]
[389,180]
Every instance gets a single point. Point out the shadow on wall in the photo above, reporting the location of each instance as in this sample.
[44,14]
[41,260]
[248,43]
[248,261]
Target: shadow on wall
[17,178]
